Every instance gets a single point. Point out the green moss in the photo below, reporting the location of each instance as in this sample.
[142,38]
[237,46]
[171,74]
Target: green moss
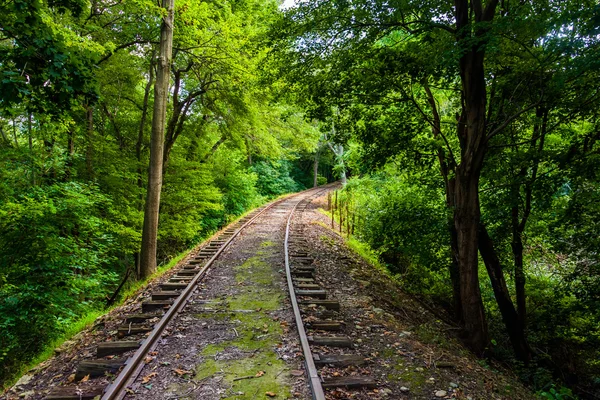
[270,370]
[257,336]
[254,270]
[413,379]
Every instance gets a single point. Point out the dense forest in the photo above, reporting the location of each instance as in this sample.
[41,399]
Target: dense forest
[465,134]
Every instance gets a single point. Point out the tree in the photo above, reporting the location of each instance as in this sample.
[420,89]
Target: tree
[155,170]
[340,50]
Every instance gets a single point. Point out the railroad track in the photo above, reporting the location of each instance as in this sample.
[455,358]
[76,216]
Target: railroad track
[325,346]
[157,312]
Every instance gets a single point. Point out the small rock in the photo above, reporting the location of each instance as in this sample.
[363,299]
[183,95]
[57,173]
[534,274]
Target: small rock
[24,380]
[27,394]
[453,385]
[404,389]
[441,393]
[387,391]
[419,369]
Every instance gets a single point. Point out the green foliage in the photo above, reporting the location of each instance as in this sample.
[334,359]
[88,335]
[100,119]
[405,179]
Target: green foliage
[562,394]
[406,224]
[55,246]
[274,178]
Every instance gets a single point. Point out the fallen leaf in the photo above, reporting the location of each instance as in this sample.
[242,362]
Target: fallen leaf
[271,394]
[85,378]
[147,378]
[148,359]
[71,378]
[181,372]
[296,372]
[259,374]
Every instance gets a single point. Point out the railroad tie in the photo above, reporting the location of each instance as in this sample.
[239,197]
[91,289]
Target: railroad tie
[329,304]
[152,305]
[136,318]
[95,368]
[318,293]
[338,360]
[116,347]
[326,325]
[75,393]
[173,286]
[165,295]
[332,341]
[349,382]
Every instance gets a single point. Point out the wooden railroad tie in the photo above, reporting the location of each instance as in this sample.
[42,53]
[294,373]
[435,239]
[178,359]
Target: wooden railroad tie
[136,318]
[349,382]
[116,347]
[75,393]
[317,294]
[152,305]
[332,341]
[326,325]
[173,286]
[338,360]
[329,304]
[132,329]
[165,295]
[95,368]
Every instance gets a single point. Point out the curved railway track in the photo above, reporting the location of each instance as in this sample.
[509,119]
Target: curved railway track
[158,311]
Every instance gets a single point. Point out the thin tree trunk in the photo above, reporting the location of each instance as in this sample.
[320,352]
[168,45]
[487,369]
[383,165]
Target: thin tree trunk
[70,154]
[4,137]
[161,90]
[15,133]
[89,152]
[447,164]
[31,157]
[316,169]
[510,316]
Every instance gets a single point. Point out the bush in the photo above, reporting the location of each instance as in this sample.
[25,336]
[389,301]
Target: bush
[55,264]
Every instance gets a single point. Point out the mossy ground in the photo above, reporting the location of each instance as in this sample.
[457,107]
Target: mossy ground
[251,353]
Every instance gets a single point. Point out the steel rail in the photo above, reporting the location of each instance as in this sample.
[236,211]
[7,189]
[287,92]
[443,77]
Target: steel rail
[134,365]
[313,375]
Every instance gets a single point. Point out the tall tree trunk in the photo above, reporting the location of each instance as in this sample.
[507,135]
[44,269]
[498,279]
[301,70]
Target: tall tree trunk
[161,90]
[316,169]
[31,156]
[447,164]
[466,221]
[89,151]
[515,328]
[15,133]
[142,129]
[518,225]
[70,154]
[472,132]
[138,148]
